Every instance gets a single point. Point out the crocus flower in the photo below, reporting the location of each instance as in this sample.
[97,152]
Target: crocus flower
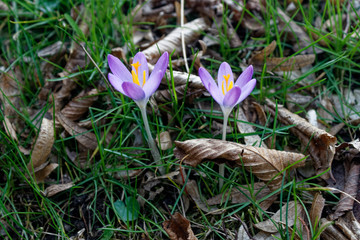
[227,94]
[139,86]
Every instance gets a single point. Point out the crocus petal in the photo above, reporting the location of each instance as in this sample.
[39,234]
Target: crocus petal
[133,91]
[224,70]
[210,85]
[153,83]
[140,57]
[245,77]
[246,90]
[118,68]
[161,64]
[116,82]
[231,97]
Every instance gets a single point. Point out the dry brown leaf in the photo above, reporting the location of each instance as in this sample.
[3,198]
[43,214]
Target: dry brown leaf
[79,105]
[43,172]
[43,144]
[193,191]
[86,138]
[242,233]
[56,188]
[267,164]
[266,236]
[317,207]
[172,41]
[236,196]
[165,96]
[179,228]
[250,140]
[287,216]
[349,226]
[164,140]
[348,151]
[280,63]
[321,145]
[299,37]
[351,187]
[330,231]
[10,129]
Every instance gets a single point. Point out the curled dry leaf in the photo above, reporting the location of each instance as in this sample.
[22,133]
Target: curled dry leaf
[43,172]
[268,165]
[190,94]
[351,187]
[286,216]
[172,41]
[279,63]
[241,194]
[179,228]
[86,138]
[317,207]
[348,151]
[56,188]
[349,226]
[79,105]
[43,145]
[330,231]
[321,145]
[164,140]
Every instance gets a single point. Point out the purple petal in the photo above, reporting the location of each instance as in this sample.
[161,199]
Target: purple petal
[245,77]
[246,90]
[153,83]
[133,91]
[118,68]
[224,70]
[141,59]
[116,82]
[210,85]
[161,64]
[231,97]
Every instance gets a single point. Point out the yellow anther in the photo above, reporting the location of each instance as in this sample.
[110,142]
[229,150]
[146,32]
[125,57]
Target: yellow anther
[136,66]
[144,78]
[230,86]
[227,85]
[135,77]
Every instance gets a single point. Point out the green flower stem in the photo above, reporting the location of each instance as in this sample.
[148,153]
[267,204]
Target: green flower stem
[152,144]
[226,114]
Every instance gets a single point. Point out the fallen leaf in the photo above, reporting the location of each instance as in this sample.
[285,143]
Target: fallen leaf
[82,135]
[348,150]
[164,140]
[43,145]
[56,188]
[330,232]
[241,194]
[321,145]
[43,172]
[349,226]
[267,164]
[172,41]
[80,105]
[316,210]
[179,228]
[242,233]
[351,187]
[287,216]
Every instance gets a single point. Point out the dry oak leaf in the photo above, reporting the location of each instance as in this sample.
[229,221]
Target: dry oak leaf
[56,188]
[43,145]
[172,41]
[179,228]
[286,217]
[82,135]
[321,145]
[266,164]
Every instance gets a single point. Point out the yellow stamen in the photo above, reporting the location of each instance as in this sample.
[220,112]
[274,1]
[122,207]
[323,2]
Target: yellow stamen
[135,77]
[144,76]
[136,66]
[227,85]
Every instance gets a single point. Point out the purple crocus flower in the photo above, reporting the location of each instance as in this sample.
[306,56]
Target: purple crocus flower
[137,84]
[227,93]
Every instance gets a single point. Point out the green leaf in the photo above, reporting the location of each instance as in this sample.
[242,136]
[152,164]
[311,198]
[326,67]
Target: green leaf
[74,26]
[128,211]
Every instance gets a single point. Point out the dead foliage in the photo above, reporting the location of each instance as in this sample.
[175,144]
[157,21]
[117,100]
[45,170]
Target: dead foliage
[267,164]
[179,228]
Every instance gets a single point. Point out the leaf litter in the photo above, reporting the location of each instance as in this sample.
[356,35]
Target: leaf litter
[271,168]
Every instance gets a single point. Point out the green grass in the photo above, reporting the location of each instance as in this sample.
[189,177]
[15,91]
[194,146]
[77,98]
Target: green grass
[26,213]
